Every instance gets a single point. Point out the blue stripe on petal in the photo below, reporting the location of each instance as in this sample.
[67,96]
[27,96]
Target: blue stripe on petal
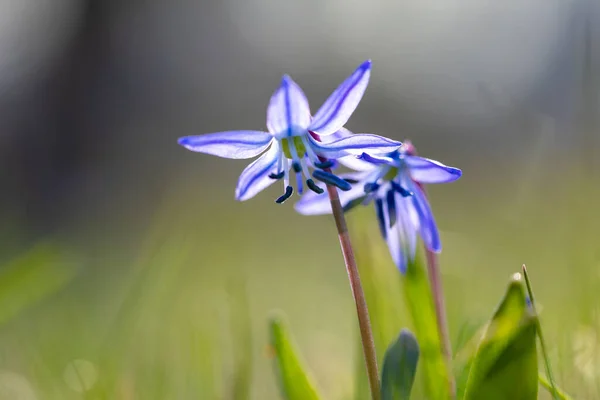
[288,109]
[355,145]
[232,144]
[255,177]
[338,108]
[427,226]
[424,170]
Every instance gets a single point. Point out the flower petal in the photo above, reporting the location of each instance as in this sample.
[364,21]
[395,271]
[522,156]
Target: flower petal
[355,145]
[378,159]
[288,109]
[232,144]
[402,237]
[424,170]
[338,108]
[312,203]
[256,175]
[427,226]
[351,162]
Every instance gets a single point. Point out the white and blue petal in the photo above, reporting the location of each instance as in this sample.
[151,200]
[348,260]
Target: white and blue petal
[231,144]
[424,170]
[427,226]
[288,109]
[378,159]
[312,203]
[355,145]
[351,162]
[338,108]
[255,177]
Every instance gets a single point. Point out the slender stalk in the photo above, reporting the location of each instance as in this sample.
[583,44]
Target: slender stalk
[435,280]
[538,326]
[362,311]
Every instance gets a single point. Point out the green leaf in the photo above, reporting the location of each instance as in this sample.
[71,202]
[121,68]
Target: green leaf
[294,380]
[422,310]
[400,367]
[505,365]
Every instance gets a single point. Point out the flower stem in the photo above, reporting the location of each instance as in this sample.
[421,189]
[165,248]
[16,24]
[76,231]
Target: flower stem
[359,296]
[540,336]
[435,280]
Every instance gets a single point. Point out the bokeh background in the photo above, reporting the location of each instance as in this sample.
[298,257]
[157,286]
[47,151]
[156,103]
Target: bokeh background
[120,250]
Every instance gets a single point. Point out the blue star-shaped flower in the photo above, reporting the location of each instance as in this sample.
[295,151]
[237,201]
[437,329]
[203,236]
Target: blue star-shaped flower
[295,139]
[393,182]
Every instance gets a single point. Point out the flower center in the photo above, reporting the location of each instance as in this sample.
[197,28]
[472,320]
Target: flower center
[297,143]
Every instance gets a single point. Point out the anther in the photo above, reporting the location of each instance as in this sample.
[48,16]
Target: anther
[277,176]
[403,192]
[381,217]
[371,187]
[297,167]
[288,193]
[353,203]
[351,181]
[324,164]
[331,179]
[313,186]
[391,204]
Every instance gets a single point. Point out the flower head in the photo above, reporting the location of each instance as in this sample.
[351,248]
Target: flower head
[393,183]
[296,140]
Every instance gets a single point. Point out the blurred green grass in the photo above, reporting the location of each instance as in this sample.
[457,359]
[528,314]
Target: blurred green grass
[146,301]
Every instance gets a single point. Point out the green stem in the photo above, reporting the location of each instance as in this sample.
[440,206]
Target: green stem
[362,311]
[435,280]
[540,336]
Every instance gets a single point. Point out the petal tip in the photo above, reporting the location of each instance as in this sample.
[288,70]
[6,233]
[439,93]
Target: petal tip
[366,65]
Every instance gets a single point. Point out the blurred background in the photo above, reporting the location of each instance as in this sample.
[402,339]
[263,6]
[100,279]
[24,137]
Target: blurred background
[120,249]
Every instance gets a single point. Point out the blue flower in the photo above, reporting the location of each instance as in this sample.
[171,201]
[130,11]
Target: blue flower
[393,183]
[295,139]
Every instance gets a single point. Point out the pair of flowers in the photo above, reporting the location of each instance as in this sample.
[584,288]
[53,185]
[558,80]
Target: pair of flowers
[387,172]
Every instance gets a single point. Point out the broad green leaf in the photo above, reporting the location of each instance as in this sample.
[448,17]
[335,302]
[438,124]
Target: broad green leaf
[400,367]
[294,379]
[505,365]
[420,304]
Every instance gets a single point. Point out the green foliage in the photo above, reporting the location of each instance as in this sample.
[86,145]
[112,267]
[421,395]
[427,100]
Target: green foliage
[241,334]
[415,286]
[505,365]
[400,367]
[31,277]
[294,379]
[548,386]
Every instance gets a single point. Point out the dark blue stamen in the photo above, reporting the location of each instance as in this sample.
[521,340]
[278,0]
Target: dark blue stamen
[391,203]
[353,203]
[351,181]
[331,179]
[371,187]
[297,167]
[313,186]
[288,192]
[403,192]
[278,175]
[324,164]
[380,217]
